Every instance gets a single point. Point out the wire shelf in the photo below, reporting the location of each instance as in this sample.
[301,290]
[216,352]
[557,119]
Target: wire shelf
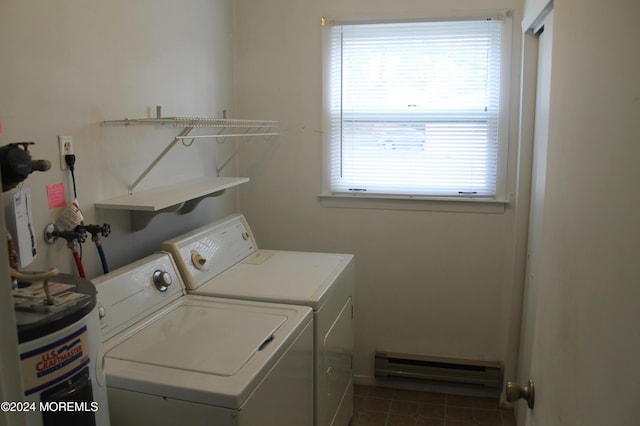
[201,122]
[252,128]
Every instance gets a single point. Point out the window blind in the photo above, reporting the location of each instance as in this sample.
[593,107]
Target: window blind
[413,108]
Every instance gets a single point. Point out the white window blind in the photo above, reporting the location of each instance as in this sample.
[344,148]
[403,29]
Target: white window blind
[413,109]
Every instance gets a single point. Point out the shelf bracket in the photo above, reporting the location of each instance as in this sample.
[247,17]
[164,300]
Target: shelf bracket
[180,136]
[141,218]
[190,205]
[220,168]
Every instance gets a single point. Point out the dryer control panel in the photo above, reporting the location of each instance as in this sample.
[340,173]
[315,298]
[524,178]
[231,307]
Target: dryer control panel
[208,251]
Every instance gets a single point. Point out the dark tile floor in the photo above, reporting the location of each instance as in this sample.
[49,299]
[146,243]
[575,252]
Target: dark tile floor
[379,406]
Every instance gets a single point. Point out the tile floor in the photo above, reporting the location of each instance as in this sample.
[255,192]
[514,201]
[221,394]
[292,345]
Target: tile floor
[379,406]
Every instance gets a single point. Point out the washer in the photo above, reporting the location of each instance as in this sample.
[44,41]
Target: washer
[58,343]
[171,358]
[222,260]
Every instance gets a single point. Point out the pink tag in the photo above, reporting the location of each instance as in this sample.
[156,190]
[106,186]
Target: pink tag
[55,195]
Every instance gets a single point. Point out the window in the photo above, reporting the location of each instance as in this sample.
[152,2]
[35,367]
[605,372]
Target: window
[413,109]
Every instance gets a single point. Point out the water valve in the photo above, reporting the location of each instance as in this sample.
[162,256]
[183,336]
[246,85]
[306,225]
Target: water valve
[78,234]
[98,231]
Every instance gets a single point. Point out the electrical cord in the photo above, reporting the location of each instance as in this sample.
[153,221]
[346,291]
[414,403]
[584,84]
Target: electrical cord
[70,159]
[95,230]
[76,249]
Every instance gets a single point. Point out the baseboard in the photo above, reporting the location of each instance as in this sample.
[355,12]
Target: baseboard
[426,386]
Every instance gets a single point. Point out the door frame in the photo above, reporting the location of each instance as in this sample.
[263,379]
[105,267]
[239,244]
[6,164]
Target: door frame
[522,193]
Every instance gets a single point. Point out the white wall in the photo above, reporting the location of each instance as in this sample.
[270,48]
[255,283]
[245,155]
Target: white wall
[427,282]
[588,276]
[68,65]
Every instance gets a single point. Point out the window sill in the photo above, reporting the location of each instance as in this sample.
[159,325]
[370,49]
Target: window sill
[459,205]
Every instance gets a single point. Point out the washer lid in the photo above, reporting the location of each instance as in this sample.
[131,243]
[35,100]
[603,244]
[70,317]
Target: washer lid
[202,339]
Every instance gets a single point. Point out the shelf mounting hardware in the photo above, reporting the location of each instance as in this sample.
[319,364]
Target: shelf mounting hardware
[252,128]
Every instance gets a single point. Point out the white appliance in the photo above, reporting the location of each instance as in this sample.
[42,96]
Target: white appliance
[222,259]
[177,359]
[58,341]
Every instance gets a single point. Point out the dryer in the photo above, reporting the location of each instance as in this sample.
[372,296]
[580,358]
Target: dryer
[222,259]
[171,358]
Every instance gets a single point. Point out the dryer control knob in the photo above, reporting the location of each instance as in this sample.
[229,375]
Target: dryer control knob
[198,261]
[162,280]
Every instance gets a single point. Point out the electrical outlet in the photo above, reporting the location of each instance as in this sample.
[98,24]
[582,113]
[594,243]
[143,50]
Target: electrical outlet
[66,147]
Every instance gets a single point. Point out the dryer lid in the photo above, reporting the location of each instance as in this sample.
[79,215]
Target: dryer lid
[208,340]
[288,277]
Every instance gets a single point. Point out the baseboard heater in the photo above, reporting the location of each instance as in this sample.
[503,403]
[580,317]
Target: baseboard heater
[442,369]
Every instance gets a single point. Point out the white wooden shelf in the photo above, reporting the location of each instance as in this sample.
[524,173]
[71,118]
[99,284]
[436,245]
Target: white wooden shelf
[182,197]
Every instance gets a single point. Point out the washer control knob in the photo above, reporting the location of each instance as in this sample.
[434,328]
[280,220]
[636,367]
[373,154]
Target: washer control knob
[198,260]
[101,311]
[162,280]
[245,236]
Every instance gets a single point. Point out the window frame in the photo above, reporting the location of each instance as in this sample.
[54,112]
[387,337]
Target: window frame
[462,202]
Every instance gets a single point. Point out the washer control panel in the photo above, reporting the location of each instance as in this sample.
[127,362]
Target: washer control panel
[128,294]
[162,280]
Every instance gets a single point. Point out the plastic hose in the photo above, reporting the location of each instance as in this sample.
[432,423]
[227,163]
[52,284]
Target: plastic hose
[103,258]
[76,257]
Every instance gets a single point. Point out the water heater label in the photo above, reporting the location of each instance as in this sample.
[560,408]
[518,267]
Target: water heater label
[54,362]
